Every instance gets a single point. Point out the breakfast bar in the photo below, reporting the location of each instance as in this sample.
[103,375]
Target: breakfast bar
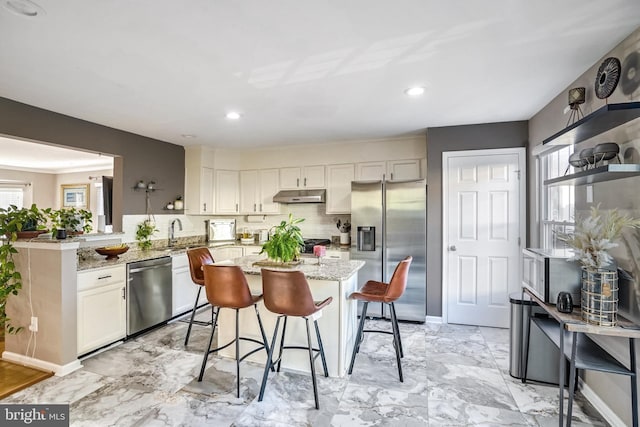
[338,324]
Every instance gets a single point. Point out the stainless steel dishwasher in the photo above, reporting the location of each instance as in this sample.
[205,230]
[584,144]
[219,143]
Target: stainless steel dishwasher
[148,294]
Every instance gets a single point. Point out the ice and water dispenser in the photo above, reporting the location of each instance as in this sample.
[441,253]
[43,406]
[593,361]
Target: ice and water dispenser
[366,238]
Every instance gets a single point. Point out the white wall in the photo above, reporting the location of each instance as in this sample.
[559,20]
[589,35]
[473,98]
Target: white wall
[42,188]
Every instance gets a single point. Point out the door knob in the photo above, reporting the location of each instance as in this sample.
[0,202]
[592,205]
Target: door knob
[452,248]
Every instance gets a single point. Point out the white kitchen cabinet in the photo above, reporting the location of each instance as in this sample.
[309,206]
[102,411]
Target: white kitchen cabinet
[226,253]
[392,170]
[337,254]
[101,307]
[403,169]
[198,182]
[183,290]
[370,171]
[257,188]
[227,191]
[307,177]
[339,179]
[252,250]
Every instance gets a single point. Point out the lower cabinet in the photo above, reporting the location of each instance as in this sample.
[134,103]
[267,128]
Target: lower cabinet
[184,291]
[337,254]
[226,253]
[101,304]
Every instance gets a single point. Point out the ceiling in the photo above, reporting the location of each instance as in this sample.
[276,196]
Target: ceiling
[301,72]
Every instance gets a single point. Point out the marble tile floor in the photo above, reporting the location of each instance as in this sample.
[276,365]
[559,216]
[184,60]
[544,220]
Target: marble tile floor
[454,376]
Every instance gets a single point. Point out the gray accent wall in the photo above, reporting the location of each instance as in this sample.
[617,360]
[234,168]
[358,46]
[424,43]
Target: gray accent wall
[456,138]
[136,157]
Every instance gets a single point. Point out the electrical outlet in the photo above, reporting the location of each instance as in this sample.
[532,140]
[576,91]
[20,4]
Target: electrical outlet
[33,327]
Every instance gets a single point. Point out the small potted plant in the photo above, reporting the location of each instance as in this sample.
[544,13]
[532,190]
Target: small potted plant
[74,221]
[144,231]
[591,240]
[24,222]
[285,242]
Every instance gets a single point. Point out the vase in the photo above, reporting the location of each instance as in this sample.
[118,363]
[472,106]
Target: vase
[599,296]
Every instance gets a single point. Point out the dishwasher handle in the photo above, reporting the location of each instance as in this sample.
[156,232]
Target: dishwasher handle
[152,267]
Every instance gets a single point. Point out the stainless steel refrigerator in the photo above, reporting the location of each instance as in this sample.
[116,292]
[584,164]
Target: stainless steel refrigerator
[388,222]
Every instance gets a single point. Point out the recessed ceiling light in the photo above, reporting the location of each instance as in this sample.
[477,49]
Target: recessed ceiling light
[187,135]
[415,91]
[24,8]
[233,115]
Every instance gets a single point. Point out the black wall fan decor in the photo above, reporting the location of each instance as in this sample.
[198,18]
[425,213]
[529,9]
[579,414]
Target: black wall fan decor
[607,77]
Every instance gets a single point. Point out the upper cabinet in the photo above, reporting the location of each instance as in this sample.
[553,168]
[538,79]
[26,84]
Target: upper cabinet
[307,177]
[371,171]
[198,183]
[602,120]
[399,170]
[339,179]
[392,170]
[227,192]
[257,188]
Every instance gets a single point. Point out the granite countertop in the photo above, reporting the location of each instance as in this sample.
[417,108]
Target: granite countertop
[89,259]
[329,269]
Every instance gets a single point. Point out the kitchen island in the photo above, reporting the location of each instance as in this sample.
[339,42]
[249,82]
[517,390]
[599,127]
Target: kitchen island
[338,324]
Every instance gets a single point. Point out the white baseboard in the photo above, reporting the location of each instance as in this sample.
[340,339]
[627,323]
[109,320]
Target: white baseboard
[434,319]
[59,370]
[604,410]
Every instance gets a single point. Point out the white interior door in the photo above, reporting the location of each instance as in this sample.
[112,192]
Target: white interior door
[483,224]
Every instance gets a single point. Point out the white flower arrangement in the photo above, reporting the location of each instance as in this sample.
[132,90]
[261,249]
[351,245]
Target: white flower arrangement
[595,235]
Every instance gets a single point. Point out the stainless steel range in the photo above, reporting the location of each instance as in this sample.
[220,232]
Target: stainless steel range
[310,243]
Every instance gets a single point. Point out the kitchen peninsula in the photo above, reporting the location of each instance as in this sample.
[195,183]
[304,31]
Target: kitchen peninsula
[338,324]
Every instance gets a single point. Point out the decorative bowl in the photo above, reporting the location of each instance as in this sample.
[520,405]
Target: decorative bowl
[247,240]
[606,151]
[576,161]
[112,252]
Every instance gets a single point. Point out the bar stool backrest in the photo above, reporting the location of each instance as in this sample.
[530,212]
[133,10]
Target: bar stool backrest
[287,292]
[398,281]
[197,258]
[227,286]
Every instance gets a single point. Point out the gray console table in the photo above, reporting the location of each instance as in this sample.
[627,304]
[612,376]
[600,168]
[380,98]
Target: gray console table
[582,352]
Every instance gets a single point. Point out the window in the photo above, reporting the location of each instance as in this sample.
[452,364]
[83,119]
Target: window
[557,202]
[11,194]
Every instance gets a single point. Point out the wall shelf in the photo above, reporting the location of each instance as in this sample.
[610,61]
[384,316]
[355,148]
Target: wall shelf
[599,174]
[601,120]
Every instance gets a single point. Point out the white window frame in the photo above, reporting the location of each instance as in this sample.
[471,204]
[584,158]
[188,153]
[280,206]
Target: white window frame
[548,225]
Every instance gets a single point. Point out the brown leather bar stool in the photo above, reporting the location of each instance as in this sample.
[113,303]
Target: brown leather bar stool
[197,258]
[227,287]
[287,293]
[386,293]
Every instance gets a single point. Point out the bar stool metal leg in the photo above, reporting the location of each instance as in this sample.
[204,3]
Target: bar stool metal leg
[216,310]
[193,314]
[269,360]
[284,330]
[237,353]
[393,309]
[311,365]
[264,336]
[321,349]
[356,347]
[396,342]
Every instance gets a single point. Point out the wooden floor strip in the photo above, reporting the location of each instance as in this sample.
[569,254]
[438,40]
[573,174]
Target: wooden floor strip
[14,377]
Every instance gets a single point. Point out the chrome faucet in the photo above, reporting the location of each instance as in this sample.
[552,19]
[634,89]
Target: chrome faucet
[172,238]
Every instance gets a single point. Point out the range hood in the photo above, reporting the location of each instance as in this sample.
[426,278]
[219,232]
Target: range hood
[300,196]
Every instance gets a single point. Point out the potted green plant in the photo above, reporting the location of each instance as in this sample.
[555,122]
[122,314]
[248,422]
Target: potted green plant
[74,221]
[285,241]
[13,221]
[144,231]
